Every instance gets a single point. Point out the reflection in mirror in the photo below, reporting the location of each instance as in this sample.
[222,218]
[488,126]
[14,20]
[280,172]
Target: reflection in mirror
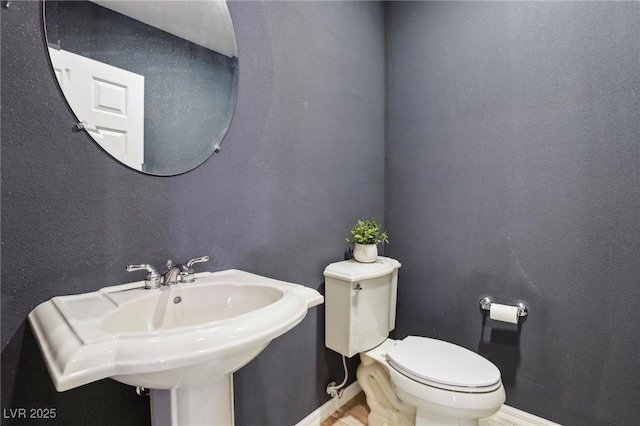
[155,82]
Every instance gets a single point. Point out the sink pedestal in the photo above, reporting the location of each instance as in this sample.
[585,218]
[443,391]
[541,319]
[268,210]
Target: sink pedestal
[206,405]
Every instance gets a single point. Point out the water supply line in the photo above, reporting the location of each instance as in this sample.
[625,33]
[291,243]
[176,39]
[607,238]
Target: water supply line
[337,390]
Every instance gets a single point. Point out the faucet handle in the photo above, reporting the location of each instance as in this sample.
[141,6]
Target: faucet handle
[197,260]
[186,275]
[152,280]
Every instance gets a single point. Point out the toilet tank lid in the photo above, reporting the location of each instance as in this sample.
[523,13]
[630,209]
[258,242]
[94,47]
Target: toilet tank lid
[352,271]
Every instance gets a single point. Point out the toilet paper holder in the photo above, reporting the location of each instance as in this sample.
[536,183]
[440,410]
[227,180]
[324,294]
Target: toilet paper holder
[485,304]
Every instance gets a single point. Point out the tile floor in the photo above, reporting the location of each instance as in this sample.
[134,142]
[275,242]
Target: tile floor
[355,412]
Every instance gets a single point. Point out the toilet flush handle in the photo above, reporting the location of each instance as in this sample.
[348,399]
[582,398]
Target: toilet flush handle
[357,289]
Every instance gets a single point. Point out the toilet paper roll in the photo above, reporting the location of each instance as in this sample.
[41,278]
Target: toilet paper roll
[503,313]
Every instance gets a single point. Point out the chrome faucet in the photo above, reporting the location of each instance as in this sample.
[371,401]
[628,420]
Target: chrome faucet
[153,278]
[172,275]
[175,274]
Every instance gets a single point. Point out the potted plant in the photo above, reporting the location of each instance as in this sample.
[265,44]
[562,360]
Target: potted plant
[365,235]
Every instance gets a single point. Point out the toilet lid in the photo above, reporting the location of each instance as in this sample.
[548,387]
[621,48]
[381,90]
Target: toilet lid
[443,365]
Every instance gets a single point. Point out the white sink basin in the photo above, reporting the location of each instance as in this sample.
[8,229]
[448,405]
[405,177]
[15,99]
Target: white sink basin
[185,336]
[198,304]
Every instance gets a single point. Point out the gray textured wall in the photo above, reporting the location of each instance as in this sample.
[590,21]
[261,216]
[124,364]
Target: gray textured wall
[303,159]
[513,169]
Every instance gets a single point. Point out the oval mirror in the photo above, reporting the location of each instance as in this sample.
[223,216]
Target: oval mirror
[153,82]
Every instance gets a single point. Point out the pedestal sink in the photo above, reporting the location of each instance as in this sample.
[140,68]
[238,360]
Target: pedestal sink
[183,342]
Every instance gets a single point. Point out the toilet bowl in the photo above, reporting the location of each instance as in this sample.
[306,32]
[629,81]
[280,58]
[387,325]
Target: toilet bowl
[414,381]
[425,381]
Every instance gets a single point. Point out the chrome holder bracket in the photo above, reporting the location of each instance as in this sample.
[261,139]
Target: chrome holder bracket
[485,305]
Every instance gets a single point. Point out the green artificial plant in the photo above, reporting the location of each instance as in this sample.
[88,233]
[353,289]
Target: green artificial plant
[367,232]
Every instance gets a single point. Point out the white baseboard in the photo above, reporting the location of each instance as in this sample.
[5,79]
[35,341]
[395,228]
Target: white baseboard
[334,404]
[514,417]
[506,416]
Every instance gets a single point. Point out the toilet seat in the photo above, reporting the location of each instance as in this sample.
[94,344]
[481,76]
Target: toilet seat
[443,365]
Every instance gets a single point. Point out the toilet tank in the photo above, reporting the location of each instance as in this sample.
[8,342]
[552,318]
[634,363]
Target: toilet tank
[360,304]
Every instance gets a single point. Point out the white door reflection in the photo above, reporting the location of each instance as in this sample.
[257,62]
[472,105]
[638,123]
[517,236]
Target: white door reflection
[110,101]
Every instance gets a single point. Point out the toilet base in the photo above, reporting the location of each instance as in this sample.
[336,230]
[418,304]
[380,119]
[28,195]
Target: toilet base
[396,400]
[424,418]
[386,409]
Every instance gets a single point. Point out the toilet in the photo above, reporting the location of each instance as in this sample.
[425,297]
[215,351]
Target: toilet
[414,381]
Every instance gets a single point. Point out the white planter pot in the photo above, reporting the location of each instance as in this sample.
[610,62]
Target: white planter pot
[365,253]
